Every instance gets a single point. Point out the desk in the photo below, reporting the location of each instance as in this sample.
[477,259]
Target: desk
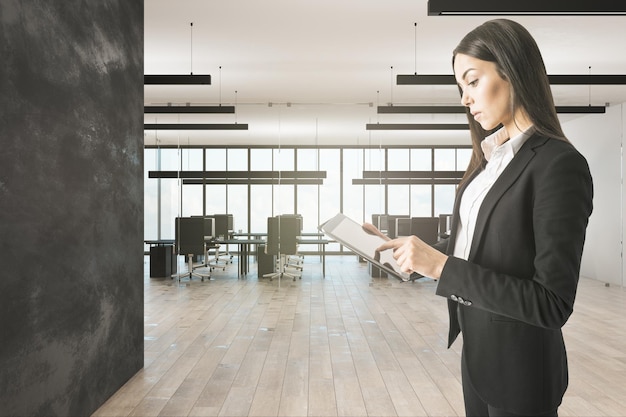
[244,250]
[244,246]
[321,243]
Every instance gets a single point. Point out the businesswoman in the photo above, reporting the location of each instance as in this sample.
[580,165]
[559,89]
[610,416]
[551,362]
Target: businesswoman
[510,267]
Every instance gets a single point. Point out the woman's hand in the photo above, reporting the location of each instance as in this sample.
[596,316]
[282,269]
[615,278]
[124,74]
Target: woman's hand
[413,255]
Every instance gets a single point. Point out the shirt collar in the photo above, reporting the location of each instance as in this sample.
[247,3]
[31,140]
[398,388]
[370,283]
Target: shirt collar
[501,136]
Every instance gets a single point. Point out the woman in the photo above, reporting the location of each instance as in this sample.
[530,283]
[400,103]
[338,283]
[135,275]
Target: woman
[510,267]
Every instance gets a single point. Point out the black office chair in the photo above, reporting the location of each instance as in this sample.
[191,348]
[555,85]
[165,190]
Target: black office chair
[282,241]
[189,241]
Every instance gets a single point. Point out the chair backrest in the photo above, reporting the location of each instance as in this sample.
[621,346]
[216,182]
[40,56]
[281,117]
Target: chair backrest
[223,225]
[445,224]
[282,235]
[189,235]
[209,227]
[391,224]
[380,221]
[403,227]
[426,228]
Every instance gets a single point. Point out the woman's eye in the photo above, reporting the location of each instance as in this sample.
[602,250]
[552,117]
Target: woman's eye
[473,83]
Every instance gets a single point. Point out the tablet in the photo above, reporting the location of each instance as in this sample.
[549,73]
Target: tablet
[352,235]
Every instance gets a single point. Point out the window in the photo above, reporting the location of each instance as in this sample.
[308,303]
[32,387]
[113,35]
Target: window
[251,204]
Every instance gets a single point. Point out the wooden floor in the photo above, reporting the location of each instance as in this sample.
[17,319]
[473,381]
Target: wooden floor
[344,345]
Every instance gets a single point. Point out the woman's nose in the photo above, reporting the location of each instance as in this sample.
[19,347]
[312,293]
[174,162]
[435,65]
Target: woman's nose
[465,98]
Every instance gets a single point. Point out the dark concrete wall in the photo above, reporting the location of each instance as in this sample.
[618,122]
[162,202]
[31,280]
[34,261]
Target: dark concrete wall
[71,203]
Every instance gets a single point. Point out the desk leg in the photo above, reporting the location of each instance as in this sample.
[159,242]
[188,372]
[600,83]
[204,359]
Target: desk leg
[324,261]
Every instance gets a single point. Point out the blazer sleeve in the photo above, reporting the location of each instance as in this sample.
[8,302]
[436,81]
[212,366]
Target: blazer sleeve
[537,284]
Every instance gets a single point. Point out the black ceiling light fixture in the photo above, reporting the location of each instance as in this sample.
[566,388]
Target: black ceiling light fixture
[461,109]
[526,7]
[179,79]
[580,79]
[416,126]
[195,126]
[188,109]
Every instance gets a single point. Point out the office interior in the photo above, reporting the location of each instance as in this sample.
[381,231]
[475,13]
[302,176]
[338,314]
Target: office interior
[81,197]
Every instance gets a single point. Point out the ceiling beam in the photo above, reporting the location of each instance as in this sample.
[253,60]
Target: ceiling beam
[526,7]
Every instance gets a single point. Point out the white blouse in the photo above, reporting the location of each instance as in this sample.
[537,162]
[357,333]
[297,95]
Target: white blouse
[499,151]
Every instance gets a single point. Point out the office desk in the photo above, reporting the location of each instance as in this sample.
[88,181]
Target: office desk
[321,243]
[244,251]
[308,238]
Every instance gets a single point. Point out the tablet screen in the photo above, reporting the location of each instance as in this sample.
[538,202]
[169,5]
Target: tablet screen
[352,235]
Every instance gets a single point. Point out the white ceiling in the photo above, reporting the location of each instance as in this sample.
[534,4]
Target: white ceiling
[313,72]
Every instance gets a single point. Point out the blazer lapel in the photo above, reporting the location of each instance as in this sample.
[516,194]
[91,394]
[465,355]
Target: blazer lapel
[508,177]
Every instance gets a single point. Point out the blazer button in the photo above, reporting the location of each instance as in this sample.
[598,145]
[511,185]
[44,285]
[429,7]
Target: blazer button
[454,297]
[467,303]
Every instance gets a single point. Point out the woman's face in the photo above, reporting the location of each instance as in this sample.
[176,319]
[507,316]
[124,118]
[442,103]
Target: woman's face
[487,95]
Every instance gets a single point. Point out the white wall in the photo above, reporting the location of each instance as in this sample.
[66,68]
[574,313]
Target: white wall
[599,138]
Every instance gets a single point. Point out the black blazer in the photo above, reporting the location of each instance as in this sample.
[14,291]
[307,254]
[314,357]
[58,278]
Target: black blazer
[517,289]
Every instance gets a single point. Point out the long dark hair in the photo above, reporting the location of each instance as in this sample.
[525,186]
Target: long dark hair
[518,60]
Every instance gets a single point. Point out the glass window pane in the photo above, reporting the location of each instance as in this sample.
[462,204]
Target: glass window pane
[445,159]
[421,204]
[238,206]
[284,199]
[307,159]
[330,194]
[261,160]
[399,196]
[284,159]
[398,159]
[170,206]
[215,159]
[421,159]
[215,199]
[150,196]
[307,207]
[463,156]
[374,159]
[374,201]
[262,207]
[192,200]
[191,160]
[353,194]
[237,160]
[444,199]
[170,160]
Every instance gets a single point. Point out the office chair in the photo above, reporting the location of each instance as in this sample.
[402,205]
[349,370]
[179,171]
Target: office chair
[282,240]
[221,258]
[189,241]
[445,224]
